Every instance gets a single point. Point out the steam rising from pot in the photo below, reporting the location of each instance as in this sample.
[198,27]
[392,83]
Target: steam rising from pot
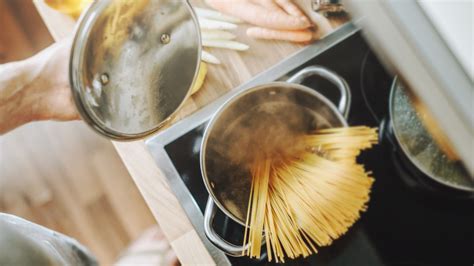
[265,122]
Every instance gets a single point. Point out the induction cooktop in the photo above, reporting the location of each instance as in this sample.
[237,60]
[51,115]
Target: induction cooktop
[402,226]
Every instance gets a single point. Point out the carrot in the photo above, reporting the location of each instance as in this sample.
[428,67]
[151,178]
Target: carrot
[281,5]
[260,16]
[290,8]
[286,35]
[323,25]
[269,4]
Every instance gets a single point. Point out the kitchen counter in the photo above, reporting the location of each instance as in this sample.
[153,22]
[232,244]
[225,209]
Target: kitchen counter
[236,68]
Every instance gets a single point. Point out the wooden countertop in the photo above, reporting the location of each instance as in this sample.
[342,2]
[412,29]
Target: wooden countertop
[236,68]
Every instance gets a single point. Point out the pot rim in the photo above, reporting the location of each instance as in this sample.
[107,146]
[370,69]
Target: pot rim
[395,82]
[233,99]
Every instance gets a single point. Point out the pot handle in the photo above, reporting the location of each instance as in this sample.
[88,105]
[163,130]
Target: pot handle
[218,241]
[345,101]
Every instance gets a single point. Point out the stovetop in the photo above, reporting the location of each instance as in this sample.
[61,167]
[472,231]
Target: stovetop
[400,227]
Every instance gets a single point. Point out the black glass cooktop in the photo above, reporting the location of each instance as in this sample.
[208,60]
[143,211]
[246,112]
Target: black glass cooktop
[402,226]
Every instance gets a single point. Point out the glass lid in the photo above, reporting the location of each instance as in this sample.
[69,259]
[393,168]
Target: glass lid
[133,64]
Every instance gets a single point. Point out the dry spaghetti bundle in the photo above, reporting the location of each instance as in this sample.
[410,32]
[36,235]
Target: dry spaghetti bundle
[307,199]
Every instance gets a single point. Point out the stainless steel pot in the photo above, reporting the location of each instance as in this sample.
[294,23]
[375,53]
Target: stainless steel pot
[419,152]
[246,124]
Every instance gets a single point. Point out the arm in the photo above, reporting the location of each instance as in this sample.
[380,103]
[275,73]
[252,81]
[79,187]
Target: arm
[36,89]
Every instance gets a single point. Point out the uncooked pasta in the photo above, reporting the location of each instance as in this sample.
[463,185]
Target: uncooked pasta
[307,199]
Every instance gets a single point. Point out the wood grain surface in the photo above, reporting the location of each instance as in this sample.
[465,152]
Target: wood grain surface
[236,68]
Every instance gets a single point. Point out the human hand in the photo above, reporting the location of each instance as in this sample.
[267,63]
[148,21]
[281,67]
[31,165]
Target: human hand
[273,19]
[37,88]
[51,89]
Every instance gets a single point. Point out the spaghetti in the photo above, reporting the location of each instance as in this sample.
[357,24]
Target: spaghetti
[305,200]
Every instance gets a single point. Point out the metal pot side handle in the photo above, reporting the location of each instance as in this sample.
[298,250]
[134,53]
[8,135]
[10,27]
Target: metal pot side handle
[218,241]
[345,101]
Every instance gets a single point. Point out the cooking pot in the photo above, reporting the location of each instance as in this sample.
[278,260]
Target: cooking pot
[424,164]
[249,123]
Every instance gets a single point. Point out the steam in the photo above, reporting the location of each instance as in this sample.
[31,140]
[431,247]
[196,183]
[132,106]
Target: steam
[267,130]
[263,124]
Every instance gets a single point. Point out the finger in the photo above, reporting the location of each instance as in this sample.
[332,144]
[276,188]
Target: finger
[260,16]
[285,35]
[290,8]
[268,4]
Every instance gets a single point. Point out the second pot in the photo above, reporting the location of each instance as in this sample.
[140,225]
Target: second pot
[427,165]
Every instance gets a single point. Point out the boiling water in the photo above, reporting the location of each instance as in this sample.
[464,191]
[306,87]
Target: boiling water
[267,130]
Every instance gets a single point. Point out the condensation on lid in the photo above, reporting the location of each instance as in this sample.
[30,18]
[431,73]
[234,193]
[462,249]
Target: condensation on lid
[133,64]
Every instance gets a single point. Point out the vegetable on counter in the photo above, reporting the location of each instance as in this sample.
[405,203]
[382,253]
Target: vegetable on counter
[288,20]
[210,24]
[233,45]
[200,78]
[209,58]
[217,35]
[215,15]
[284,35]
[259,15]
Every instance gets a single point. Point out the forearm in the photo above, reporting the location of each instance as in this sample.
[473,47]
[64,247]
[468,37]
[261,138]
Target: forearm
[36,89]
[16,108]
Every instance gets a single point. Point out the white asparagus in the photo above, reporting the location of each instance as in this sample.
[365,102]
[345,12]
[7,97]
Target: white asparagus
[233,45]
[209,58]
[217,35]
[212,14]
[209,24]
